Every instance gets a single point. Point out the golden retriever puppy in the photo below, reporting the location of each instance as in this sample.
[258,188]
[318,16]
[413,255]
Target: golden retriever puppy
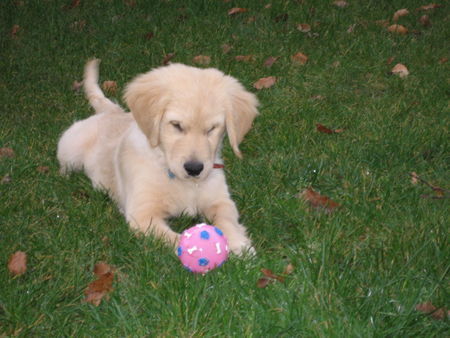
[163,159]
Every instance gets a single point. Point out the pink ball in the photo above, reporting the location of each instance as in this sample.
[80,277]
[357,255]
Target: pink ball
[202,248]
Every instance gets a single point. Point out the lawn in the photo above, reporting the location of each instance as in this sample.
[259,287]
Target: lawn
[363,269]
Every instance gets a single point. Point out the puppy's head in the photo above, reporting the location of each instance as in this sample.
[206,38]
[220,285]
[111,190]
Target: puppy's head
[186,111]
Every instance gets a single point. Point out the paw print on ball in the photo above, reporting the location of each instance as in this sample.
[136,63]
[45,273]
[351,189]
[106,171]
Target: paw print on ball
[202,248]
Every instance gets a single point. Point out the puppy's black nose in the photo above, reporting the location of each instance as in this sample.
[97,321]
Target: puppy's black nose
[193,168]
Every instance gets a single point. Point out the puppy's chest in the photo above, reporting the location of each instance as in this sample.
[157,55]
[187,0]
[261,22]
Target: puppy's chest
[186,199]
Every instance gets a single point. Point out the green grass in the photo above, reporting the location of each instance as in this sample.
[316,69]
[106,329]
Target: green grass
[359,272]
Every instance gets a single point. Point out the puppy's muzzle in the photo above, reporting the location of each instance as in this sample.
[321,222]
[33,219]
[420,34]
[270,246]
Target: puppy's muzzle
[193,168]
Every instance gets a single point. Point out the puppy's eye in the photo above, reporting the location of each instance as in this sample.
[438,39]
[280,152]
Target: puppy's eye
[177,125]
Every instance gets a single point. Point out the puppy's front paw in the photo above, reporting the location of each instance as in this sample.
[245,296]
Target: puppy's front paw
[241,246]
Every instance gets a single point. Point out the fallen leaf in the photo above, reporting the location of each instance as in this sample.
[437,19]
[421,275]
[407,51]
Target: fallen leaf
[414,178]
[288,269]
[351,28]
[167,58]
[43,169]
[428,7]
[102,286]
[237,10]
[322,129]
[101,268]
[400,13]
[436,313]
[265,82]
[299,58]
[263,282]
[74,4]
[268,6]
[6,152]
[110,86]
[439,193]
[390,60]
[226,48]
[340,3]
[244,58]
[318,97]
[77,85]
[443,60]
[400,70]
[399,29]
[425,20]
[202,60]
[17,264]
[269,274]
[318,201]
[14,30]
[270,61]
[304,27]
[382,23]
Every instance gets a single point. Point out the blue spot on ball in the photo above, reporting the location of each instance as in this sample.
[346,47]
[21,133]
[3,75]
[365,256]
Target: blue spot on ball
[219,232]
[179,251]
[204,234]
[203,262]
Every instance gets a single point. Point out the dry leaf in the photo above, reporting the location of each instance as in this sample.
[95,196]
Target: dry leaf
[202,60]
[244,58]
[226,48]
[237,10]
[399,29]
[17,264]
[304,27]
[6,152]
[318,201]
[167,58]
[43,169]
[270,61]
[390,60]
[149,35]
[351,28]
[14,30]
[400,70]
[265,82]
[288,269]
[299,58]
[6,179]
[74,4]
[425,20]
[414,178]
[436,313]
[269,274]
[428,7]
[400,13]
[110,86]
[340,3]
[102,286]
[443,60]
[382,23]
[263,282]
[77,85]
[101,268]
[322,129]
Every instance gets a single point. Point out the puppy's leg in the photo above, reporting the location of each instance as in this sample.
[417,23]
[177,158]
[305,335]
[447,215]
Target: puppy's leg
[225,216]
[149,224]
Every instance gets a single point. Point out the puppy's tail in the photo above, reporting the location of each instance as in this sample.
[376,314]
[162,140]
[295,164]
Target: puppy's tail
[94,94]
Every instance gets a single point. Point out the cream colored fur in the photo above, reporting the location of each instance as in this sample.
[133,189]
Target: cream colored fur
[144,159]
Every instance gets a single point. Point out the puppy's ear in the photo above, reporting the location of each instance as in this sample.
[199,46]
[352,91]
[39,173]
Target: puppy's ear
[240,115]
[147,99]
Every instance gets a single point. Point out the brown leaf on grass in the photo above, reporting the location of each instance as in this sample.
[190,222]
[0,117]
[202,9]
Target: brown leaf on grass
[399,29]
[110,86]
[14,31]
[43,169]
[149,35]
[304,27]
[167,58]
[322,129]
[102,286]
[439,193]
[428,7]
[237,10]
[400,70]
[269,277]
[263,282]
[17,264]
[244,58]
[270,61]
[269,274]
[203,60]
[6,179]
[390,60]
[77,85]
[288,269]
[414,178]
[340,3]
[265,82]
[299,58]
[429,309]
[318,201]
[6,152]
[443,60]
[73,4]
[425,20]
[400,13]
[382,23]
[226,48]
